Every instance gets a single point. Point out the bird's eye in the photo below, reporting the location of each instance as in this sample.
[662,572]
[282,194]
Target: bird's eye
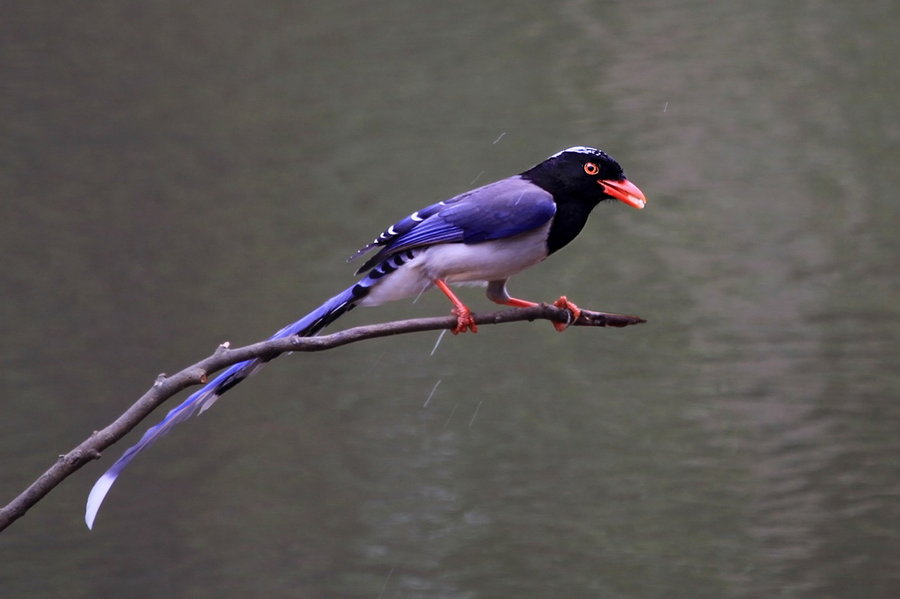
[591,168]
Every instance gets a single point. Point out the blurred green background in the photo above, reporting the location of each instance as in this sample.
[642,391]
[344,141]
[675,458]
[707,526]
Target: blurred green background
[177,174]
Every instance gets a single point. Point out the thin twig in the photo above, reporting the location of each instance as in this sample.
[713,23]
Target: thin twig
[166,386]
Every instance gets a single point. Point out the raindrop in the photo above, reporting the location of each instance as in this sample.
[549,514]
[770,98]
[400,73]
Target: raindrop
[430,395]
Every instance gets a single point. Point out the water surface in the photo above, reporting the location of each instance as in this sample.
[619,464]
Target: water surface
[177,175]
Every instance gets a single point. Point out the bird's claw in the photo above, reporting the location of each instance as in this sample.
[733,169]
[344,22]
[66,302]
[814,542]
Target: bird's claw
[464,321]
[573,311]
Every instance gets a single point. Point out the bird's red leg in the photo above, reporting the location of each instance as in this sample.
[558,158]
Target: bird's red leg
[518,303]
[497,293]
[464,320]
[562,302]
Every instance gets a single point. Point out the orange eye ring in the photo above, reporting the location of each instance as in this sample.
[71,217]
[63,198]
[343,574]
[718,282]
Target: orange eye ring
[591,168]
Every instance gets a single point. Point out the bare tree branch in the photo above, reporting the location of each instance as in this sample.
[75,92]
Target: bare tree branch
[166,386]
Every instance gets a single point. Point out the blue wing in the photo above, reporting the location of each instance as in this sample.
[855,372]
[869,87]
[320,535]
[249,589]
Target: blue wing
[501,209]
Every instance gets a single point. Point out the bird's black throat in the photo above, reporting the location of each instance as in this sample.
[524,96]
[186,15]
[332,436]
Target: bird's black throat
[568,222]
[574,194]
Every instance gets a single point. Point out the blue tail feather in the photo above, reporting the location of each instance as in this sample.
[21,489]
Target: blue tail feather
[204,398]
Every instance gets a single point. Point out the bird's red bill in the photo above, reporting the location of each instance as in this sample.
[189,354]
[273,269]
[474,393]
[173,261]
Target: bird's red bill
[625,191]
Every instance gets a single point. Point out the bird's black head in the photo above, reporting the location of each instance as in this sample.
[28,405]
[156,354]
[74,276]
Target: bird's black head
[579,178]
[587,176]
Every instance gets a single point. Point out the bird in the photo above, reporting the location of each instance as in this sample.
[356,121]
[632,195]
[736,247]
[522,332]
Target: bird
[484,236]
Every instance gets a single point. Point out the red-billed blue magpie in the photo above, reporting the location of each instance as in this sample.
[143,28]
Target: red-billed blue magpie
[484,235]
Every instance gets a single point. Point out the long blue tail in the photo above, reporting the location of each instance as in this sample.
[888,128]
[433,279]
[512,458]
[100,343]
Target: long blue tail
[200,401]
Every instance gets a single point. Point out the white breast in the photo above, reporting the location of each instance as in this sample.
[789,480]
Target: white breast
[460,263]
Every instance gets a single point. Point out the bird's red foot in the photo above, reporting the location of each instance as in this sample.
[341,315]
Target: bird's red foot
[574,310]
[464,320]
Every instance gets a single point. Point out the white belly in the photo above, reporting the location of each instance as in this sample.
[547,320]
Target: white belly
[460,263]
